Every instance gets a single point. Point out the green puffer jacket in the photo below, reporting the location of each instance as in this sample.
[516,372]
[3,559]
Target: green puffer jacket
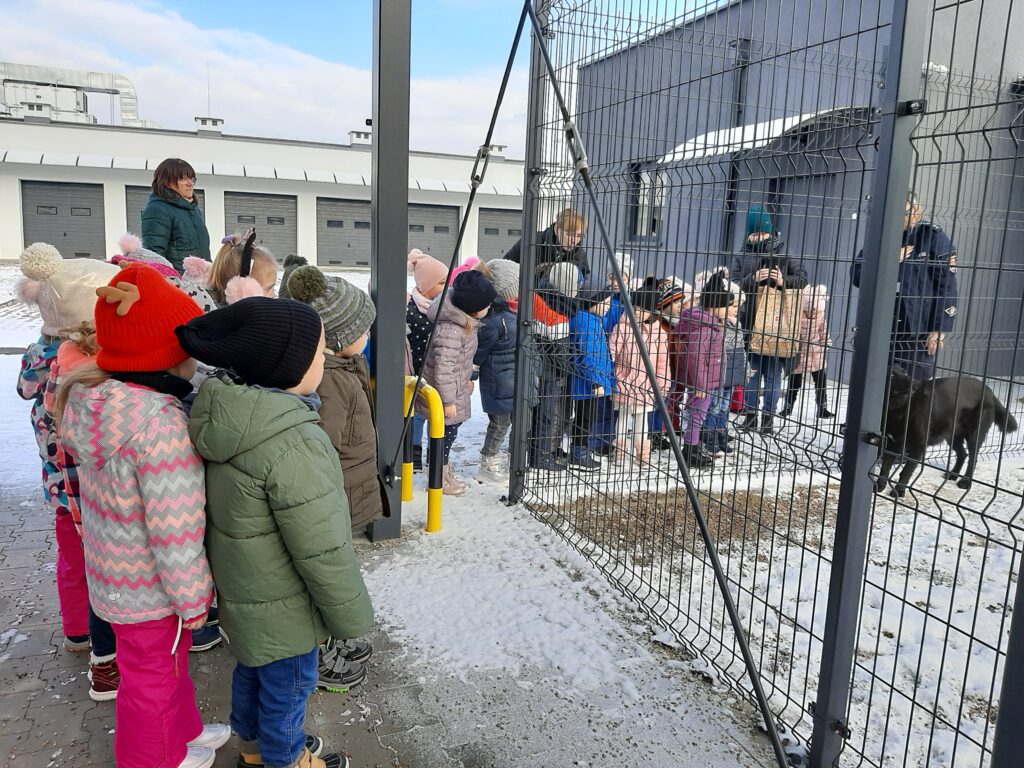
[278,536]
[174,228]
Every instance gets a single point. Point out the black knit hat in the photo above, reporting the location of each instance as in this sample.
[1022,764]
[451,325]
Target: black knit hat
[267,342]
[716,293]
[471,291]
[646,296]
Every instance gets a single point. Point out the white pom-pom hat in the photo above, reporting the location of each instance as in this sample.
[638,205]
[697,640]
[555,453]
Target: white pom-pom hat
[64,290]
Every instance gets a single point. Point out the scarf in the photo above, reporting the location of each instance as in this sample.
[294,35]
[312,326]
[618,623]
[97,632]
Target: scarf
[161,381]
[421,301]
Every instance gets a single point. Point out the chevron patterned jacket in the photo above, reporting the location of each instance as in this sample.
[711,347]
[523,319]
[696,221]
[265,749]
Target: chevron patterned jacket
[143,503]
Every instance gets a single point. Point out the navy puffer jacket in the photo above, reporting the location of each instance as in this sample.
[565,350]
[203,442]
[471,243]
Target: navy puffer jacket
[496,358]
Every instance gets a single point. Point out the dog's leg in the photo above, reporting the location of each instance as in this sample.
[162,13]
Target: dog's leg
[914,456]
[883,473]
[960,447]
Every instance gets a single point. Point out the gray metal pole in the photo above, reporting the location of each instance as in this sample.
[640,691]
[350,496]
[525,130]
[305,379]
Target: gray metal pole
[389,211]
[532,175]
[1009,736]
[876,302]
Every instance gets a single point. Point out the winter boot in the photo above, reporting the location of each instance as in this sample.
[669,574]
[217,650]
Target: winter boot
[314,745]
[104,678]
[749,422]
[581,459]
[417,458]
[724,446]
[823,411]
[348,650]
[696,457]
[450,484]
[492,470]
[767,425]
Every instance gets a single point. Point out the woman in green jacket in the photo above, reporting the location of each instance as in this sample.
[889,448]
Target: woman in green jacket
[172,224]
[278,534]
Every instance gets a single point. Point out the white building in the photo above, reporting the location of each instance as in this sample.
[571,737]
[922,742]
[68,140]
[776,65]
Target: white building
[80,186]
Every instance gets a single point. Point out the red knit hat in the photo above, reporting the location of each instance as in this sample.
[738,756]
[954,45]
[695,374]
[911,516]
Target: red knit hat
[135,317]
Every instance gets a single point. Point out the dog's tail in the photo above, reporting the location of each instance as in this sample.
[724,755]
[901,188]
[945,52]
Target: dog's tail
[1004,418]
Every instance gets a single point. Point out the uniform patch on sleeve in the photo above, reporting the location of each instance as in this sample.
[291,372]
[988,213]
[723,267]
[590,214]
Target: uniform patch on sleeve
[952,263]
[951,311]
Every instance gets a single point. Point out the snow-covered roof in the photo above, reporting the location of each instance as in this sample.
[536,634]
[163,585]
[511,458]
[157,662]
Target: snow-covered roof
[740,138]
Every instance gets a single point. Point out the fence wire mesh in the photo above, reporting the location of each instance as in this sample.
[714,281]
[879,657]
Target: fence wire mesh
[733,151]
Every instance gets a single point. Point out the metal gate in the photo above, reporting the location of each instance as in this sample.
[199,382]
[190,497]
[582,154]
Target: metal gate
[343,232]
[69,216]
[274,217]
[434,229]
[135,200]
[499,230]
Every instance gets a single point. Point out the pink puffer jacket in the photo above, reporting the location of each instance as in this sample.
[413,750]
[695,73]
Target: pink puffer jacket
[634,386]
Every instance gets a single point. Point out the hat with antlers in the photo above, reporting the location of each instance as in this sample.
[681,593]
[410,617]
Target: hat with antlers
[135,316]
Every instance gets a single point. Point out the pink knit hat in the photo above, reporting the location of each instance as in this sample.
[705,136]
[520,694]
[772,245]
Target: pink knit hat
[465,266]
[426,270]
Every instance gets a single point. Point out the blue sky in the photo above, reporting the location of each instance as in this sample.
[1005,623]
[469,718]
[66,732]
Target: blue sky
[447,35]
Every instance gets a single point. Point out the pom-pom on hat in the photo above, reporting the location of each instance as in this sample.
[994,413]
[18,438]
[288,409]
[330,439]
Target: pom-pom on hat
[64,290]
[505,278]
[266,342]
[426,271]
[716,292]
[135,317]
[192,282]
[291,263]
[347,312]
[471,292]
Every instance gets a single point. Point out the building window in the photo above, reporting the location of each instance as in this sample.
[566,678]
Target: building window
[415,227]
[515,233]
[46,210]
[276,221]
[79,255]
[439,230]
[647,199]
[491,231]
[362,225]
[246,219]
[81,211]
[335,223]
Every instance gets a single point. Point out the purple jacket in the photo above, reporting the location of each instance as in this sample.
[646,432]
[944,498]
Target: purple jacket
[699,338]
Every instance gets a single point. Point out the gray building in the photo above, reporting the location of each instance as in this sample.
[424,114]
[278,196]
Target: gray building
[771,103]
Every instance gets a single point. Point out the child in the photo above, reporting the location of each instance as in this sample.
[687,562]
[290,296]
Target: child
[699,350]
[281,553]
[346,415]
[64,290]
[496,358]
[241,269]
[814,340]
[430,275]
[192,282]
[634,400]
[143,521]
[592,375]
[735,372]
[673,297]
[448,365]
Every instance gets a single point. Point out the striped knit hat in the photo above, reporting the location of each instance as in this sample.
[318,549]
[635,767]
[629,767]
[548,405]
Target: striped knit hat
[346,311]
[135,318]
[267,342]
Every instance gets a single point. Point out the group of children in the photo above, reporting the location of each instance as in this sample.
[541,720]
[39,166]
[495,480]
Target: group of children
[696,347]
[197,437]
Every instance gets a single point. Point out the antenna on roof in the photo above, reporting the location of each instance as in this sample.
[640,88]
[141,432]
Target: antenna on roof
[209,107]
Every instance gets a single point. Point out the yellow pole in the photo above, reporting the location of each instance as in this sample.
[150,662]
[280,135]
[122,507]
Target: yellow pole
[406,448]
[435,451]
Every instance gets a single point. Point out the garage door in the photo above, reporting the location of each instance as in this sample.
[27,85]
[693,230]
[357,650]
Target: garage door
[343,232]
[274,217]
[135,201]
[434,229]
[69,216]
[499,230]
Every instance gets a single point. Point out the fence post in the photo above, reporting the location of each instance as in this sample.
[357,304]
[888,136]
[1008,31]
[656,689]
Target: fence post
[389,213]
[876,302]
[1009,735]
[532,174]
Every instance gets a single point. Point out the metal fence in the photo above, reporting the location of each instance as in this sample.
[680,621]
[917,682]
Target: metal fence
[784,135]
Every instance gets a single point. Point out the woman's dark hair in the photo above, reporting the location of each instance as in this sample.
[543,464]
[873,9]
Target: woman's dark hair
[171,171]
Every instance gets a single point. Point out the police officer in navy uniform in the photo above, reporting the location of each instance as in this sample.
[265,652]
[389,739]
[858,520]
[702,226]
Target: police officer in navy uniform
[926,293]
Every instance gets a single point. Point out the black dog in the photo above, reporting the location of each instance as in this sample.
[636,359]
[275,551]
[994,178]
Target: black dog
[957,410]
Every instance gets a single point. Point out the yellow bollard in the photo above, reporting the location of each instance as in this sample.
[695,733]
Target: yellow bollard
[435,451]
[407,445]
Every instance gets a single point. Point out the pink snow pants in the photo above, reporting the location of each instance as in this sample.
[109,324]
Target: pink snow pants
[156,714]
[71,589]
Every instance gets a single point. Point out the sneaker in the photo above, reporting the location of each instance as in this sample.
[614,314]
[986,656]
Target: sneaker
[198,757]
[77,643]
[547,463]
[491,471]
[204,638]
[314,745]
[340,676]
[352,650]
[213,616]
[581,459]
[104,680]
[214,736]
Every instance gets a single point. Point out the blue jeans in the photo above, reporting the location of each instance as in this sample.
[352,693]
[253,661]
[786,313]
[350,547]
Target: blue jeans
[718,414]
[418,422]
[768,370]
[268,705]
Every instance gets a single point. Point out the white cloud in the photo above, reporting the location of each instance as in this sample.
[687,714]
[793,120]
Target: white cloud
[259,87]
